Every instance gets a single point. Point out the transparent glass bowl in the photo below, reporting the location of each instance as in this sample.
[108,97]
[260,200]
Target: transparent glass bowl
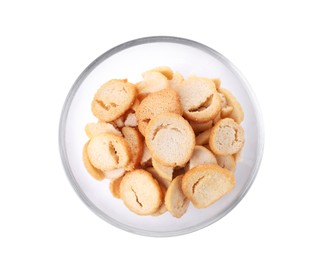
[129,60]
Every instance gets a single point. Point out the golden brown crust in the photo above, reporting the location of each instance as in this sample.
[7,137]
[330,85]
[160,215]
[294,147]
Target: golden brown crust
[205,184]
[226,137]
[175,200]
[170,139]
[113,99]
[94,172]
[140,192]
[166,100]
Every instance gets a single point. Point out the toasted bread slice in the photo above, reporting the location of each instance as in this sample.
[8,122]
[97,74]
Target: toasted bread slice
[176,81]
[164,172]
[140,192]
[199,99]
[200,127]
[237,113]
[203,138]
[93,129]
[170,139]
[175,200]
[226,161]
[164,70]
[135,141]
[114,187]
[94,172]
[114,174]
[113,99]
[108,152]
[226,108]
[131,120]
[146,159]
[162,209]
[201,155]
[166,100]
[207,183]
[217,83]
[226,137]
[153,81]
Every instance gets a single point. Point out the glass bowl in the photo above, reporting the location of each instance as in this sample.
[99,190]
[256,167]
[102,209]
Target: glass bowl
[129,60]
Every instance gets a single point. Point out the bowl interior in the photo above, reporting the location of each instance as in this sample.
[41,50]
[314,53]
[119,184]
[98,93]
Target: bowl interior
[129,61]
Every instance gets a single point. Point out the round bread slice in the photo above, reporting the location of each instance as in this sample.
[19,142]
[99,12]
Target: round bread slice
[199,99]
[207,183]
[226,161]
[153,81]
[201,155]
[175,200]
[135,141]
[140,192]
[170,139]
[226,137]
[94,172]
[166,100]
[113,99]
[93,129]
[107,152]
[203,138]
[114,187]
[237,113]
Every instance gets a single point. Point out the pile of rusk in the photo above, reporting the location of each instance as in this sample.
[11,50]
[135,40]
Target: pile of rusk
[165,142]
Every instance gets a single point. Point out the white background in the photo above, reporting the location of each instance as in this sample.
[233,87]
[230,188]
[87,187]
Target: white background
[282,47]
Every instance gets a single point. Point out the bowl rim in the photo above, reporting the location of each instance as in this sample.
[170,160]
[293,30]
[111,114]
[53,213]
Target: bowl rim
[119,48]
